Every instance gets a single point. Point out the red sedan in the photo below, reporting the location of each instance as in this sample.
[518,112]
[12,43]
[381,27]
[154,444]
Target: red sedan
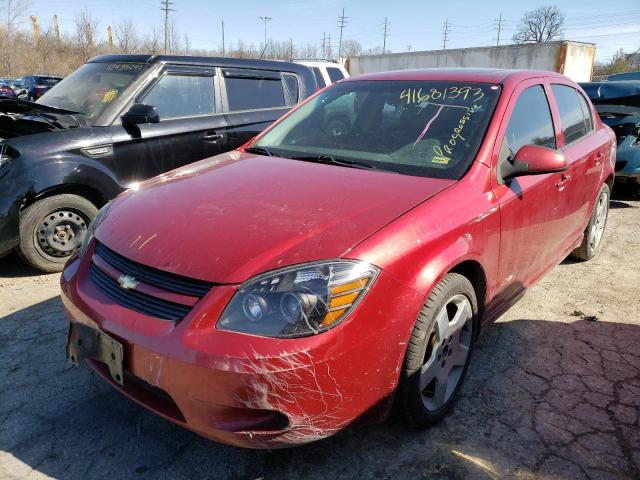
[345,259]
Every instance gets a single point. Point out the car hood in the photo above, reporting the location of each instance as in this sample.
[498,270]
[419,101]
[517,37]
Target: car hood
[19,118]
[230,217]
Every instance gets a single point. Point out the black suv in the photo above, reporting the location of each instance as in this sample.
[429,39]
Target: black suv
[38,85]
[118,120]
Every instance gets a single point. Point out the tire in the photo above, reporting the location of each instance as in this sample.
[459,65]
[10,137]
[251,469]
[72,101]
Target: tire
[52,229]
[422,402]
[594,233]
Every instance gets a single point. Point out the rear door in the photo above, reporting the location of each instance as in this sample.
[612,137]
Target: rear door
[585,151]
[532,208]
[191,126]
[252,100]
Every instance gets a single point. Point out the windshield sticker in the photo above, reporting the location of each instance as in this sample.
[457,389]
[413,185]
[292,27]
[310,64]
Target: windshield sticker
[442,155]
[110,96]
[465,93]
[124,67]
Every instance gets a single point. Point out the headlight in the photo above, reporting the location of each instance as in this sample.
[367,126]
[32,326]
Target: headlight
[298,301]
[92,228]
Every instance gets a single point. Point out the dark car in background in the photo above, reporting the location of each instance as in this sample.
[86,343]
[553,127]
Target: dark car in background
[38,85]
[6,91]
[618,105]
[119,120]
[18,86]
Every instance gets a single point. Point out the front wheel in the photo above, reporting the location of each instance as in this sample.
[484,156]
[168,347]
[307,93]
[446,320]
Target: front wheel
[594,233]
[52,229]
[438,352]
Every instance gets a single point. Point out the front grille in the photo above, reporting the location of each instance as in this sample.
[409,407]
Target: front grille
[165,280]
[136,300]
[620,165]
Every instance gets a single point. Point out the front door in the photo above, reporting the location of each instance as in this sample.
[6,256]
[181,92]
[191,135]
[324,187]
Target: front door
[190,129]
[532,208]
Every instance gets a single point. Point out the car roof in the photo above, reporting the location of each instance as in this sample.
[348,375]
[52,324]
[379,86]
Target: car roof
[486,75]
[202,61]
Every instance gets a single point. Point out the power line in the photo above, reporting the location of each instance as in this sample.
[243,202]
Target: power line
[342,23]
[166,9]
[385,34]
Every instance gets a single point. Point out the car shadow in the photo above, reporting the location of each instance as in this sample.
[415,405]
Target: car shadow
[12,266]
[543,398]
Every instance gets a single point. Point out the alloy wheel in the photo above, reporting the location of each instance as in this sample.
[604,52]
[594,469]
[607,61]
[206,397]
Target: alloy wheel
[597,229]
[447,353]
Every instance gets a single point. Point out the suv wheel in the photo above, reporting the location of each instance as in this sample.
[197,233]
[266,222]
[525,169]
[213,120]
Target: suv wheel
[52,229]
[438,352]
[594,233]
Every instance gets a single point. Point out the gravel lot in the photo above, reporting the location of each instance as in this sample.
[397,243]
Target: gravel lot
[554,392]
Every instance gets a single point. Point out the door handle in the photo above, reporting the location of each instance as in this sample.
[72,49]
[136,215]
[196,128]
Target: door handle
[564,179]
[211,137]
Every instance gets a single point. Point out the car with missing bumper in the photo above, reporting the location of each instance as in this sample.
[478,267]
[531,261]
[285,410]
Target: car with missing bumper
[116,121]
[618,104]
[273,295]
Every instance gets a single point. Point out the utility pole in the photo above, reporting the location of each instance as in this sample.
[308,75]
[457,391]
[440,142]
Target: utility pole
[329,46]
[291,49]
[499,29]
[445,33]
[324,44]
[342,23]
[56,30]
[265,20]
[166,8]
[223,38]
[110,38]
[409,48]
[385,34]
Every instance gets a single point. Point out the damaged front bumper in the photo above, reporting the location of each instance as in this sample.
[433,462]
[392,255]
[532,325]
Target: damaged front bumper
[245,390]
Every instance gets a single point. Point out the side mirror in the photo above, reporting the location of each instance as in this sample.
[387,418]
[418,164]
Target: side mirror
[534,160]
[140,113]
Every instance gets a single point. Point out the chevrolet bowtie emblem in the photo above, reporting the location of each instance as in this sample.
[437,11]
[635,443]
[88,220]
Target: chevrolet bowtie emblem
[127,282]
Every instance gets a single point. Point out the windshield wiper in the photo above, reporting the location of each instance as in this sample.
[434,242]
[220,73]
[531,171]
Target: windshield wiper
[328,159]
[261,151]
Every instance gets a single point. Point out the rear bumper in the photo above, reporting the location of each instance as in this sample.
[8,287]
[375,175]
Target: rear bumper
[253,391]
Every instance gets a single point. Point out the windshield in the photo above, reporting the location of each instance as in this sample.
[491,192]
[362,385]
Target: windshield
[424,128]
[91,88]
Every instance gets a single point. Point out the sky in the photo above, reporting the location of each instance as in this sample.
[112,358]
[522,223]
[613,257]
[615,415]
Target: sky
[414,23]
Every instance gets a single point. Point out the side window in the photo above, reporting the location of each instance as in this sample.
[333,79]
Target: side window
[530,123]
[586,113]
[571,116]
[248,90]
[291,81]
[335,74]
[176,96]
[319,77]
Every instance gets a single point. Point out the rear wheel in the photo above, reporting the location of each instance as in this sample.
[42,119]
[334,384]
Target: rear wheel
[438,352]
[594,233]
[52,229]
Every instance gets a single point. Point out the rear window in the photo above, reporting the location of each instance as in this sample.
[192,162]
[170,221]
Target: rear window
[319,78]
[424,128]
[251,90]
[49,81]
[335,74]
[571,114]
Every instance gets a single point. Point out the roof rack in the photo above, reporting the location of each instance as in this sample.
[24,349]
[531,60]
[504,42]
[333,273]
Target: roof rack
[328,60]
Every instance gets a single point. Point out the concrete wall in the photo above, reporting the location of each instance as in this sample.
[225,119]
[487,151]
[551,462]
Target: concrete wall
[575,59]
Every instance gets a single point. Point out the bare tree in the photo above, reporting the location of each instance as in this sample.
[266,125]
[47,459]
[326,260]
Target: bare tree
[14,11]
[541,25]
[126,34]
[86,27]
[351,48]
